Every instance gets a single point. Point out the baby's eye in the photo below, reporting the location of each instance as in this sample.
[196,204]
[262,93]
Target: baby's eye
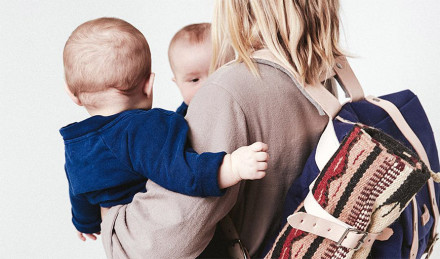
[195,80]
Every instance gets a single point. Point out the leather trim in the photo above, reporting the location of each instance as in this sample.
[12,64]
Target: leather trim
[425,216]
[346,237]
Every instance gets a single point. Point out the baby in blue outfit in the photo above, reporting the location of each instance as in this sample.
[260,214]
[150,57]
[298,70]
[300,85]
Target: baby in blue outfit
[111,155]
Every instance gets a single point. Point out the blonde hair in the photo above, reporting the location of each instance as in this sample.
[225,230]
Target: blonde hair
[106,53]
[191,34]
[302,35]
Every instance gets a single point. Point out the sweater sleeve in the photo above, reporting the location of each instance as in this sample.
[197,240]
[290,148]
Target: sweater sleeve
[217,121]
[159,150]
[86,217]
[183,109]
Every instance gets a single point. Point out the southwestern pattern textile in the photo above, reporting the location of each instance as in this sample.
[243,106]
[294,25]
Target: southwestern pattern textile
[367,183]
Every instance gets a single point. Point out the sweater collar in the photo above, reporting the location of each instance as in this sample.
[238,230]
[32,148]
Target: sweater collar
[90,125]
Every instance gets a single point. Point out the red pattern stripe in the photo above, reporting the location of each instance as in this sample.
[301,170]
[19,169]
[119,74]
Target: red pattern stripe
[335,168]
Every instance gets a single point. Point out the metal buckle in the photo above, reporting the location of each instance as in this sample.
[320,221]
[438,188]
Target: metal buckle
[360,242]
[431,244]
[243,249]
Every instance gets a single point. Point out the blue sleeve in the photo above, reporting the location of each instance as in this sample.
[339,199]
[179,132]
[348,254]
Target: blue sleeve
[86,217]
[183,108]
[158,149]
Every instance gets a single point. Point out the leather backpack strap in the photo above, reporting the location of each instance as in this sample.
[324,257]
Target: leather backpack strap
[415,241]
[342,72]
[346,78]
[327,101]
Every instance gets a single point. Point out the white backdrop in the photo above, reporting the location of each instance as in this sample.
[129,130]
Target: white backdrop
[396,44]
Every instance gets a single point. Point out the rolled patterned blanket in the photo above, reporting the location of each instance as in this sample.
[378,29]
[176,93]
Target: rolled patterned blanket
[362,189]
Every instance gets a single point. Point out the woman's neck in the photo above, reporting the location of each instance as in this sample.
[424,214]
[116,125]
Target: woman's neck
[265,54]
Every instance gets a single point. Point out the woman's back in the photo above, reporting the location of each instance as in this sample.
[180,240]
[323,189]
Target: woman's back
[236,108]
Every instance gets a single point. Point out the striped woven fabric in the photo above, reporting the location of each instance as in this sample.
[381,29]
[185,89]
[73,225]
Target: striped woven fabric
[367,183]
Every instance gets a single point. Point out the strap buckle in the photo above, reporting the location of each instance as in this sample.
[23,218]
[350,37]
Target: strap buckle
[431,244]
[243,254]
[356,231]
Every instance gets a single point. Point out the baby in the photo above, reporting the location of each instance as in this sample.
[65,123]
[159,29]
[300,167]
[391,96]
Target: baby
[111,155]
[189,55]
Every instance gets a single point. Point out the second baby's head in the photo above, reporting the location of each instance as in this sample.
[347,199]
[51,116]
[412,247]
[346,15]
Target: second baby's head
[190,55]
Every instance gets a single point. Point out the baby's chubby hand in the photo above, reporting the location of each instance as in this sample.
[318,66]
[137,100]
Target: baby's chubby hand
[250,162]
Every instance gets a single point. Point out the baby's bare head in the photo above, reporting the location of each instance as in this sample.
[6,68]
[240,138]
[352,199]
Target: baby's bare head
[190,35]
[189,54]
[106,53]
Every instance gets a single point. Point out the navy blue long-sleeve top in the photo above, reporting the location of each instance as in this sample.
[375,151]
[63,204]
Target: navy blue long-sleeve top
[110,158]
[182,109]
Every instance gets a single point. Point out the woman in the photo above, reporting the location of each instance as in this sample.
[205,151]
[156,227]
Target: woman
[279,46]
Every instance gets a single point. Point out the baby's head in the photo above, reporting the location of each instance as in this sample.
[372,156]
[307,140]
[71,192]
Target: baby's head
[107,61]
[190,55]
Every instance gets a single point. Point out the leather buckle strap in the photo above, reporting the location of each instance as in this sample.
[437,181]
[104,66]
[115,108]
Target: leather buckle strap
[244,254]
[356,231]
[236,248]
[348,237]
[431,245]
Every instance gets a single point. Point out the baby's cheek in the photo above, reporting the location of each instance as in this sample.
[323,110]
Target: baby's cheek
[188,94]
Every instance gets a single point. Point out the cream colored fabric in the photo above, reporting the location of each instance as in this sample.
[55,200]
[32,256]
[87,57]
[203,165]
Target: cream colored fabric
[233,108]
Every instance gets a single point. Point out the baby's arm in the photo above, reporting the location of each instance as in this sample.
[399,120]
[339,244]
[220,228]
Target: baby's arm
[247,162]
[86,217]
[158,149]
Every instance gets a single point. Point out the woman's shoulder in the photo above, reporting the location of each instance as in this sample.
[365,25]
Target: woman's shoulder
[236,76]
[226,73]
[235,85]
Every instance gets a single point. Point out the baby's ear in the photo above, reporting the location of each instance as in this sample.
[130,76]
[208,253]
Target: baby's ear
[173,79]
[74,98]
[148,87]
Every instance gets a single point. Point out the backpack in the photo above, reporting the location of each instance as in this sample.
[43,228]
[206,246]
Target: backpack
[397,118]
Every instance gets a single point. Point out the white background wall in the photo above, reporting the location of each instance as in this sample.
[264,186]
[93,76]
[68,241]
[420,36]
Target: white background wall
[397,44]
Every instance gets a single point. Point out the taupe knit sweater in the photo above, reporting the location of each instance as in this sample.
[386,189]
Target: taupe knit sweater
[232,109]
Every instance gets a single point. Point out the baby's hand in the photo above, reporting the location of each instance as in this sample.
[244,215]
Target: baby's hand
[250,162]
[91,236]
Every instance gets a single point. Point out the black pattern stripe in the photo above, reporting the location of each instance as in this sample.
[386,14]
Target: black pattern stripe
[279,245]
[355,180]
[313,247]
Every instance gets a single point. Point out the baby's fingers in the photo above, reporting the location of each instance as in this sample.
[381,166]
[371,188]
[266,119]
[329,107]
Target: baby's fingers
[259,174]
[80,236]
[259,146]
[91,236]
[83,236]
[262,156]
[261,166]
